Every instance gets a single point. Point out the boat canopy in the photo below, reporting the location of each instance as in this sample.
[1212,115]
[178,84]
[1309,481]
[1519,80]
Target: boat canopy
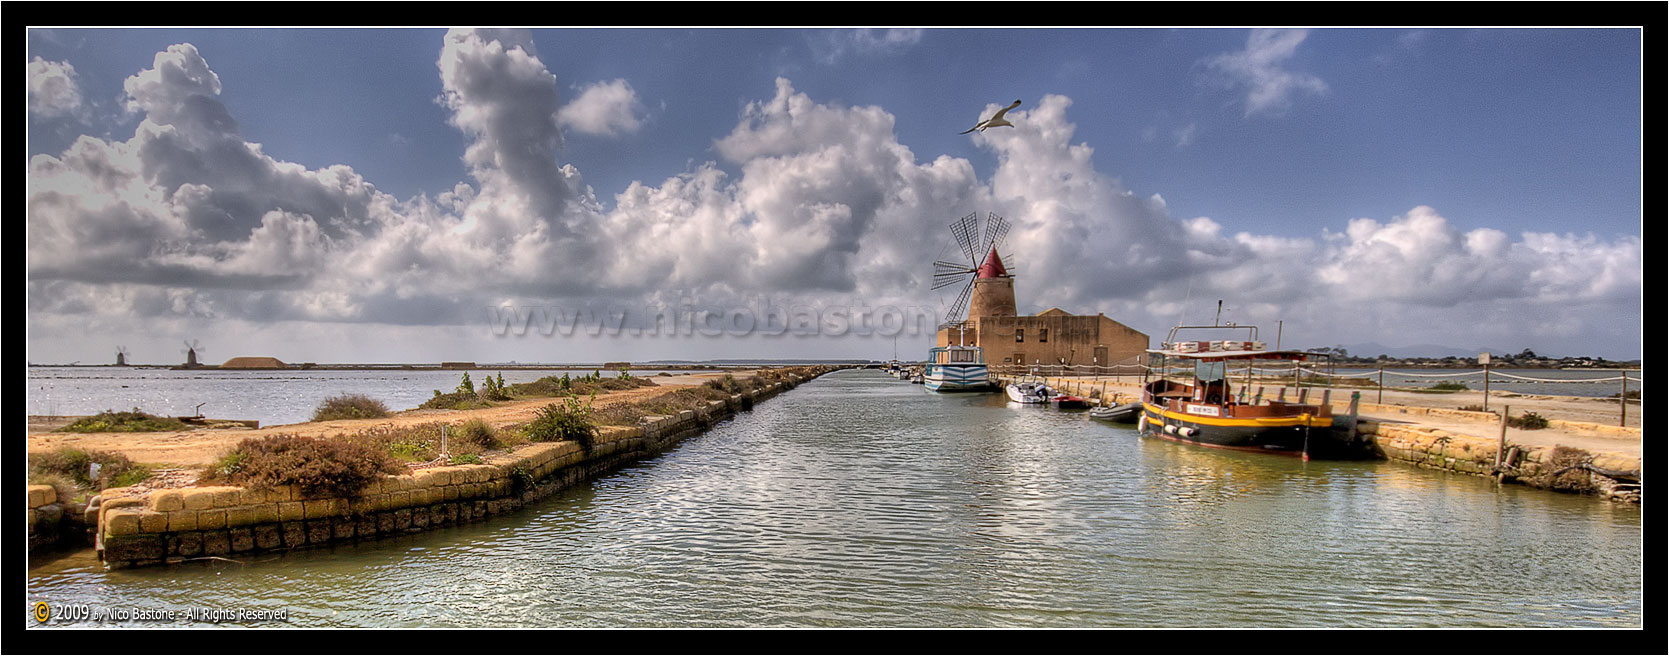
[1237,355]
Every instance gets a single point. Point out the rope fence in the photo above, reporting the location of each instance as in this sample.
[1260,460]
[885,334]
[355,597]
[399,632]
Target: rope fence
[1296,374]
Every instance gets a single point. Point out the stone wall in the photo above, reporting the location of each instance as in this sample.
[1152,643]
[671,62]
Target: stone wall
[174,525]
[1609,475]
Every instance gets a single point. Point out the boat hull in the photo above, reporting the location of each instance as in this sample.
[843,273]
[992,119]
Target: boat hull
[956,378]
[1123,414]
[1295,436]
[1018,394]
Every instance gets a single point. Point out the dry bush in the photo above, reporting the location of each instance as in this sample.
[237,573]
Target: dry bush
[330,466]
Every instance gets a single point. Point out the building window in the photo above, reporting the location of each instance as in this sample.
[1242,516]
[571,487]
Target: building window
[1042,334]
[1019,334]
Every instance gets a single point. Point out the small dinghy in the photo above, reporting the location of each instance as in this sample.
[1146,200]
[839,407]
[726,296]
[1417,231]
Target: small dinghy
[1124,414]
[1029,393]
[1069,402]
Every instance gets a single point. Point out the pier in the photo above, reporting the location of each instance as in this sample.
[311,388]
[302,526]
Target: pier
[1572,456]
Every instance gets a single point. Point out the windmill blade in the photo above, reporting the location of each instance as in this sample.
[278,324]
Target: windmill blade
[946,274]
[996,228]
[961,304]
[964,230]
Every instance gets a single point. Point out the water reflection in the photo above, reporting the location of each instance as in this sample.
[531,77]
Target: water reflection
[858,500]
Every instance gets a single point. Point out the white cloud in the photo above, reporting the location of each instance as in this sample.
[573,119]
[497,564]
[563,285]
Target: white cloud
[604,108]
[831,46]
[52,88]
[1258,70]
[186,220]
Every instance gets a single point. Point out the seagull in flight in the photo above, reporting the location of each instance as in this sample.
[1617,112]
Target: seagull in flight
[996,121]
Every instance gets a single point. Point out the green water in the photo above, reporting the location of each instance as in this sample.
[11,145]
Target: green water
[858,500]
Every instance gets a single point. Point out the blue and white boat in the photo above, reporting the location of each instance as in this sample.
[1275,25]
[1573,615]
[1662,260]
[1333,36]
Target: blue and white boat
[956,369]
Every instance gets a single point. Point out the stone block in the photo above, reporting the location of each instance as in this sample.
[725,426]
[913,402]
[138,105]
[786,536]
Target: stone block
[216,543]
[151,521]
[267,536]
[264,513]
[318,531]
[198,498]
[209,520]
[40,495]
[134,547]
[167,500]
[318,508]
[182,520]
[190,544]
[365,526]
[420,517]
[243,539]
[291,511]
[121,522]
[402,519]
[228,496]
[342,528]
[385,522]
[295,534]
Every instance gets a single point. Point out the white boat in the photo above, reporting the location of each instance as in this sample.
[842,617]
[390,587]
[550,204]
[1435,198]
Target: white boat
[1030,392]
[956,369]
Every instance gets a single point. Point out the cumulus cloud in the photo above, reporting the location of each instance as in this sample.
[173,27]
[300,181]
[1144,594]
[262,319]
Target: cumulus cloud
[53,90]
[187,221]
[1259,71]
[604,108]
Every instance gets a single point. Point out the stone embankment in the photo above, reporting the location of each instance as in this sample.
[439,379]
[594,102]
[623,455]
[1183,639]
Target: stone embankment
[53,521]
[176,525]
[1413,435]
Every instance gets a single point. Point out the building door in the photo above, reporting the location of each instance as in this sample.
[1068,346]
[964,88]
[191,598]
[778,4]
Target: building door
[1101,357]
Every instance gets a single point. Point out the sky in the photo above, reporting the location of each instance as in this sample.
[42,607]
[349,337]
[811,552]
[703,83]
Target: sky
[559,195]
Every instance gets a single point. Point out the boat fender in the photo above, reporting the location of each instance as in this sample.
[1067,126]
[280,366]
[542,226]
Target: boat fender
[1170,428]
[1141,424]
[1187,431]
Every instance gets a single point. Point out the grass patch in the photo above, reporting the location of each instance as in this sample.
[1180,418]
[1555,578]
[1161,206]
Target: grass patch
[334,467]
[670,402]
[350,406]
[132,421]
[74,467]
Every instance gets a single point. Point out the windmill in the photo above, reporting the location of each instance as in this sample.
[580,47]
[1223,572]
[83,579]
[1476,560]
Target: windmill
[121,356]
[191,349]
[979,249]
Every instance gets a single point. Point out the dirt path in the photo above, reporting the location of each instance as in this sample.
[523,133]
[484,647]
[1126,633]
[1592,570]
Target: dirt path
[203,446]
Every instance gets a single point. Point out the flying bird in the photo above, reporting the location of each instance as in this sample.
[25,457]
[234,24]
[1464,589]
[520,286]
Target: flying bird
[996,121]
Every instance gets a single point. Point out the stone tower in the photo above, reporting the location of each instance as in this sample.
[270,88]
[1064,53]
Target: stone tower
[993,294]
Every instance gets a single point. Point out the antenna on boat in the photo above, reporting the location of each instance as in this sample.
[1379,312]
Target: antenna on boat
[1219,313]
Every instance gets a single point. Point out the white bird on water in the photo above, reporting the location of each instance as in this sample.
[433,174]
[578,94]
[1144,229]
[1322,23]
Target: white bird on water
[996,121]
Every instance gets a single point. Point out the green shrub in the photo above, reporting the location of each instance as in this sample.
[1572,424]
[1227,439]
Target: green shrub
[115,470]
[132,421]
[350,406]
[466,459]
[455,401]
[570,420]
[465,386]
[334,467]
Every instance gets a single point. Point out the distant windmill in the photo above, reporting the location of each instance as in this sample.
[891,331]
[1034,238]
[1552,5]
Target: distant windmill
[983,261]
[191,349]
[121,356]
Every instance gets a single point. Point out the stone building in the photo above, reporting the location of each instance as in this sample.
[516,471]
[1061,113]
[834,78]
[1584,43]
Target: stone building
[1051,337]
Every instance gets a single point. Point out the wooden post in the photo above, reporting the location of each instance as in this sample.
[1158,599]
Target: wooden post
[1486,385]
[1501,444]
[1382,384]
[1622,401]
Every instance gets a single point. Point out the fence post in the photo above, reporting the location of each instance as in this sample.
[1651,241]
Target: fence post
[1382,384]
[1622,401]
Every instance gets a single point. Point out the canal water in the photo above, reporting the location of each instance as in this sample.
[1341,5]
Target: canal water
[858,500]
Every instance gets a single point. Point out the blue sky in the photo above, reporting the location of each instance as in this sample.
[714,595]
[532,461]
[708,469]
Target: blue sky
[1518,150]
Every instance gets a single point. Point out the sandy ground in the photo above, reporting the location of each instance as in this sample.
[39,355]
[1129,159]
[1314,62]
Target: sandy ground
[204,446]
[201,447]
[1569,408]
